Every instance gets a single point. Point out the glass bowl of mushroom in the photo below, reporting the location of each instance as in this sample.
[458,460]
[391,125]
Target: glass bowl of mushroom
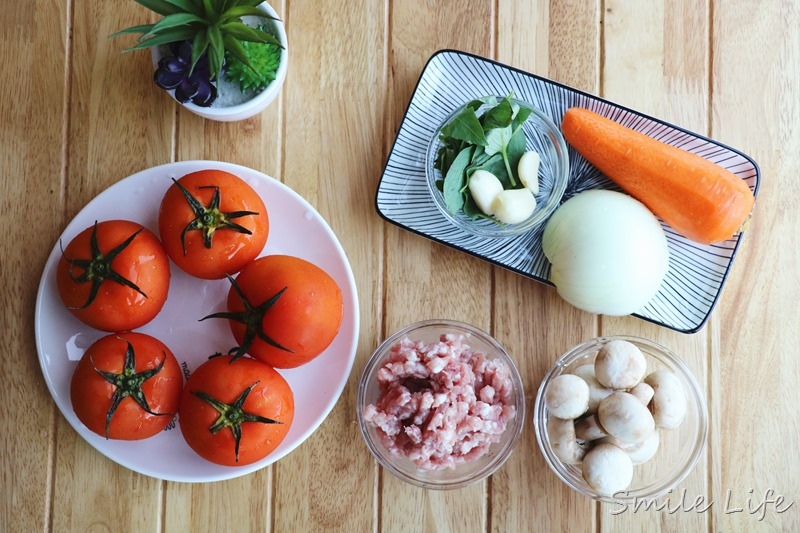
[621,419]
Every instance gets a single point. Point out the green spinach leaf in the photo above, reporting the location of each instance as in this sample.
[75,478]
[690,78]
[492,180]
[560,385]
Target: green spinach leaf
[454,181]
[498,117]
[465,127]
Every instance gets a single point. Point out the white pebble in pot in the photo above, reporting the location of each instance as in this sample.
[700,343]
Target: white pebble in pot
[607,469]
[567,396]
[619,365]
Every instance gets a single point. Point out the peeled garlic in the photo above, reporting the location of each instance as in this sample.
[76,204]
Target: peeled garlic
[528,170]
[484,187]
[513,206]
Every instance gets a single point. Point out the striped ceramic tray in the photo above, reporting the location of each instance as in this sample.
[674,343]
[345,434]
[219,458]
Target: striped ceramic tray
[451,78]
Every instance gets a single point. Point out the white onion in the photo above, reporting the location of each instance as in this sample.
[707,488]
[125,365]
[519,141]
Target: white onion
[608,252]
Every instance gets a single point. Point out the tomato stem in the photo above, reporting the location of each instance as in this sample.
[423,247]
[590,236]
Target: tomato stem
[253,319]
[209,219]
[128,383]
[233,415]
[98,268]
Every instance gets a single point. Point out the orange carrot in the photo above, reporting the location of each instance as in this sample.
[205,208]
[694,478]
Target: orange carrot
[697,198]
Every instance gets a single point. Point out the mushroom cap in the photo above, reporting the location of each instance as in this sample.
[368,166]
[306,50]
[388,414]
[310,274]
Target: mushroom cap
[607,469]
[669,399]
[643,391]
[619,365]
[626,418]
[596,391]
[640,452]
[567,396]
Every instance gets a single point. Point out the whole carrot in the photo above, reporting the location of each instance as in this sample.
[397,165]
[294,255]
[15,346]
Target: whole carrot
[697,198]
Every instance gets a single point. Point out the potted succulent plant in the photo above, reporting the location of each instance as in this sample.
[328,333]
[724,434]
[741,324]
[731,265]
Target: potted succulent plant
[222,59]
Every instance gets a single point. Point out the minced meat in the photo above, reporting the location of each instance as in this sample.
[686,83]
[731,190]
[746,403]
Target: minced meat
[441,404]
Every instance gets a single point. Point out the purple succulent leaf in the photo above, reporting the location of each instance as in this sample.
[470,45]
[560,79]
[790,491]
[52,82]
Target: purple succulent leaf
[185,90]
[173,64]
[206,94]
[168,80]
[174,48]
[185,52]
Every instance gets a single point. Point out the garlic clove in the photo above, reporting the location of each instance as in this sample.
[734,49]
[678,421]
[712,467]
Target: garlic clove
[513,206]
[484,188]
[528,170]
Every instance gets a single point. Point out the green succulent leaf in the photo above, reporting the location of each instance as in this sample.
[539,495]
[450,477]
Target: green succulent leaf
[234,47]
[216,52]
[243,32]
[208,9]
[199,47]
[245,11]
[168,36]
[250,3]
[162,7]
[143,29]
[175,21]
[187,6]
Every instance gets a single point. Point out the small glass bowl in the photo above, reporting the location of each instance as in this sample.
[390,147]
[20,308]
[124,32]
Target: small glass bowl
[429,331]
[542,136]
[679,449]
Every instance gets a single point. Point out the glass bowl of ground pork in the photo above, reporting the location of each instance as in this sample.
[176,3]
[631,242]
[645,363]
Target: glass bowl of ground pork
[441,404]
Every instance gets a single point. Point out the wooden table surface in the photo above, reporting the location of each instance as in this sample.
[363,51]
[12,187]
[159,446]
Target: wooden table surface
[77,116]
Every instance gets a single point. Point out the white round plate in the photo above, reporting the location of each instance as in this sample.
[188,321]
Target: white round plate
[295,229]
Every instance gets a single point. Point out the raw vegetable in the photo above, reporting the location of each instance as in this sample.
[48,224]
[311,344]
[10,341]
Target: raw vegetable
[476,139]
[608,252]
[700,200]
[127,386]
[235,413]
[212,223]
[114,276]
[528,169]
[513,206]
[283,310]
[484,187]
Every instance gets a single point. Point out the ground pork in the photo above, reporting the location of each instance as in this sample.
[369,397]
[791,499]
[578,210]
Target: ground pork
[441,404]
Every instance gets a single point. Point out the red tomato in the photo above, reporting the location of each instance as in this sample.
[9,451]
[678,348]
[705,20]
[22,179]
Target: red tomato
[126,386]
[114,276]
[294,306]
[234,413]
[212,223]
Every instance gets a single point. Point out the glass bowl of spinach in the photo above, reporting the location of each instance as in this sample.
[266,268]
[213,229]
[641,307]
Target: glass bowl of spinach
[492,133]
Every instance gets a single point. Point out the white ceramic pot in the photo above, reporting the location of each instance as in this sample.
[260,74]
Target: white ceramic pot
[260,101]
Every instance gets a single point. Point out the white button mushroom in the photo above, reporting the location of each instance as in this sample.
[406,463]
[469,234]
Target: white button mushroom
[619,365]
[484,187]
[528,170]
[565,446]
[643,391]
[623,416]
[669,399]
[640,452]
[596,391]
[588,428]
[607,469]
[513,206]
[567,396]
